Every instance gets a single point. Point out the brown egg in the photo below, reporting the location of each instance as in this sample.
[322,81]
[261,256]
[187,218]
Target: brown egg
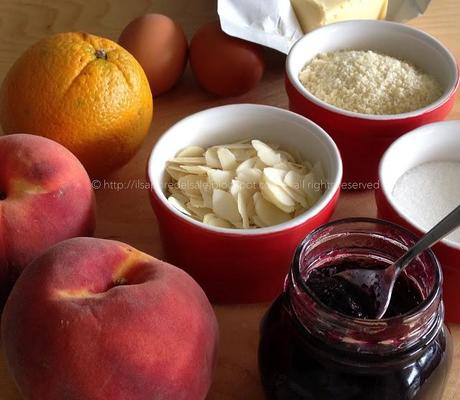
[160,46]
[224,65]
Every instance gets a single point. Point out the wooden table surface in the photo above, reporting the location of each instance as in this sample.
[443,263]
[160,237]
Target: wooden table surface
[125,214]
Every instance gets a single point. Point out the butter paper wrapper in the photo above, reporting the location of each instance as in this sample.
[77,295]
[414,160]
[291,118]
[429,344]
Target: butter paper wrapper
[273,23]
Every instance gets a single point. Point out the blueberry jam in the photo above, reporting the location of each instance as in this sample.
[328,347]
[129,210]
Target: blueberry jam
[340,295]
[294,365]
[320,339]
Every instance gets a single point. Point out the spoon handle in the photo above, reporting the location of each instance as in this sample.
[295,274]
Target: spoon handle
[438,232]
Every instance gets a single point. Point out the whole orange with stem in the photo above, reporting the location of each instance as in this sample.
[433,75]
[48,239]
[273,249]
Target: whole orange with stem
[83,91]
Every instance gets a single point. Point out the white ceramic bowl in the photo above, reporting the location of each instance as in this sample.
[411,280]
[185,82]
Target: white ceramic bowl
[433,142]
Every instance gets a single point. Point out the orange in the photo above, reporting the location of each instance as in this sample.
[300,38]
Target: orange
[83,91]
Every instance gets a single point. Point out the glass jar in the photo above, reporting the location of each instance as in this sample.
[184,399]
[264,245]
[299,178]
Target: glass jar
[308,351]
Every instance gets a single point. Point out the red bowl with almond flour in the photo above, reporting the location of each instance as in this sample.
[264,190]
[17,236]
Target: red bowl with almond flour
[240,265]
[362,139]
[434,142]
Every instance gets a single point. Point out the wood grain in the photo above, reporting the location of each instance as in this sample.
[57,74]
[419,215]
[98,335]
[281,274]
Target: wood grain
[124,212]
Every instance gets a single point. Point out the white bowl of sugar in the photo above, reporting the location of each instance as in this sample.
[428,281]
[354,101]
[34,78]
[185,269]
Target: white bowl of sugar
[419,185]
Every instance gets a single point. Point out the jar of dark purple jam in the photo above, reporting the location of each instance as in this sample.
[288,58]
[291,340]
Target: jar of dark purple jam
[310,351]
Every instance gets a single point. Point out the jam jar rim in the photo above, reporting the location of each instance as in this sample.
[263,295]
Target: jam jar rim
[420,309]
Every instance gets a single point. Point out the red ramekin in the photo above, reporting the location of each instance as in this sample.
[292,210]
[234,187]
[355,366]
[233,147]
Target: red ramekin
[236,265]
[362,139]
[434,142]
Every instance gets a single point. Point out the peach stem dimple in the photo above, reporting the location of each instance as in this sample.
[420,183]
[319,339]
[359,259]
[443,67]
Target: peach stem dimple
[120,281]
[2,195]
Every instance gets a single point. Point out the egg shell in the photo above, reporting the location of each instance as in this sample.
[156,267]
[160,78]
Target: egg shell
[225,65]
[160,46]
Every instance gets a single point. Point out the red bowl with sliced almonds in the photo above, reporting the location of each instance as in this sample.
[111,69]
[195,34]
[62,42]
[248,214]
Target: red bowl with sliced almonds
[240,265]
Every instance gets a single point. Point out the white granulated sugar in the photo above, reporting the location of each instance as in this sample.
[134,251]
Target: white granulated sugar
[368,82]
[428,192]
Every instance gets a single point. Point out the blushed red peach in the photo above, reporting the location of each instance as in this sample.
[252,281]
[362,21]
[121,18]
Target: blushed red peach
[97,319]
[45,197]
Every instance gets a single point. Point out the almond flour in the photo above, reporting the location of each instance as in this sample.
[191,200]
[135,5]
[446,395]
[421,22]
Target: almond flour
[369,83]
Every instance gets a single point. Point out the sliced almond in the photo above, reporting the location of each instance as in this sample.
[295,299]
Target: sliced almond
[242,209]
[283,166]
[191,151]
[225,206]
[188,160]
[175,172]
[260,165]
[177,193]
[195,169]
[195,197]
[251,176]
[249,163]
[268,156]
[198,212]
[294,180]
[277,196]
[250,206]
[287,156]
[206,194]
[220,179]
[268,213]
[212,219]
[197,202]
[275,175]
[243,154]
[258,222]
[238,225]
[227,159]
[212,160]
[178,205]
[235,188]
[296,195]
[190,184]
[247,189]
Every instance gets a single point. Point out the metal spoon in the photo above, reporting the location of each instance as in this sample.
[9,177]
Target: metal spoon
[383,280]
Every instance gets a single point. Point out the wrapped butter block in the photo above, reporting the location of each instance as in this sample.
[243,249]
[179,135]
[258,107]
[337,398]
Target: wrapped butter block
[312,14]
[280,23]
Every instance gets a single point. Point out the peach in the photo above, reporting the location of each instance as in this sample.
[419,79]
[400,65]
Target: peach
[94,319]
[45,197]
